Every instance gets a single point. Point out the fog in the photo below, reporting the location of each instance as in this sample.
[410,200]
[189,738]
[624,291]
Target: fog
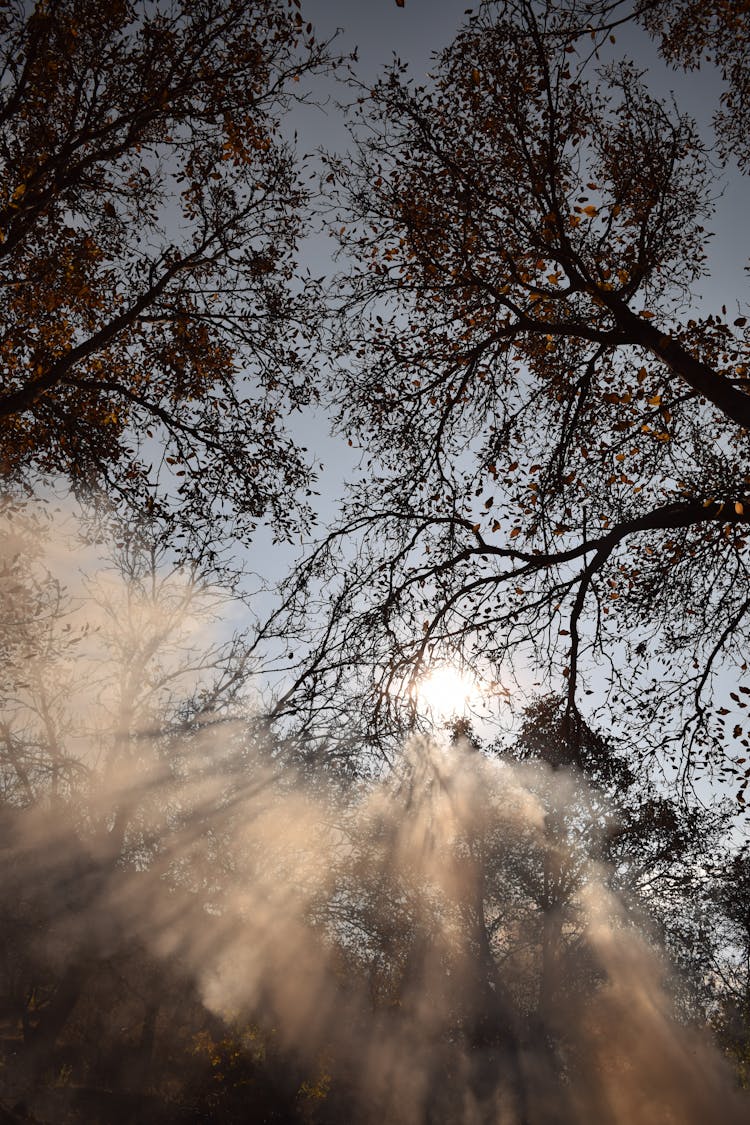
[440,945]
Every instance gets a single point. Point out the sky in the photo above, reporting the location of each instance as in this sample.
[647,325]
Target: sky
[379,28]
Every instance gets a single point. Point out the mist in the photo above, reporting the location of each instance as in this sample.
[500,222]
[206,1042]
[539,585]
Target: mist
[198,928]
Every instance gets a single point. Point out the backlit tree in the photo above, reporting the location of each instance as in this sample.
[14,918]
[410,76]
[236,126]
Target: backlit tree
[557,433]
[152,336]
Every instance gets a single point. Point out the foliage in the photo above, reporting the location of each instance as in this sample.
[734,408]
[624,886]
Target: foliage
[112,804]
[153,330]
[97,677]
[691,33]
[665,857]
[731,917]
[555,470]
[555,477]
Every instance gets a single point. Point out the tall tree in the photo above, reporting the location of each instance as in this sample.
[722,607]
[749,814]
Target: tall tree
[95,745]
[662,855]
[559,434]
[149,213]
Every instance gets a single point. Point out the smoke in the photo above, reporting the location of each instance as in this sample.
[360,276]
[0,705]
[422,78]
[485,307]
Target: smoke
[439,946]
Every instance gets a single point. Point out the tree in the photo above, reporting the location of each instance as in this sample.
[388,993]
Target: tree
[37,644]
[468,900]
[432,922]
[557,469]
[731,968]
[662,855]
[106,701]
[153,328]
[690,33]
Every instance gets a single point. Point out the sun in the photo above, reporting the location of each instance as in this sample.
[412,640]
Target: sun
[445,691]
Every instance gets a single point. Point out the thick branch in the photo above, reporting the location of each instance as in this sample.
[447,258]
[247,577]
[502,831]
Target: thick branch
[733,403]
[24,398]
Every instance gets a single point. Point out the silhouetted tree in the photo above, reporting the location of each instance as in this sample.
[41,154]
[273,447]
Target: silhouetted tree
[153,333]
[99,742]
[556,435]
[662,854]
[692,34]
[730,966]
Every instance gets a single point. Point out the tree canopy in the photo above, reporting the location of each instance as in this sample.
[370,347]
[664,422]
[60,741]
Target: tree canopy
[297,906]
[555,432]
[154,335]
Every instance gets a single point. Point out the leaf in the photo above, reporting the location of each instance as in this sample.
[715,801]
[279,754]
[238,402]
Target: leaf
[516,531]
[591,210]
[476,77]
[646,314]
[739,507]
